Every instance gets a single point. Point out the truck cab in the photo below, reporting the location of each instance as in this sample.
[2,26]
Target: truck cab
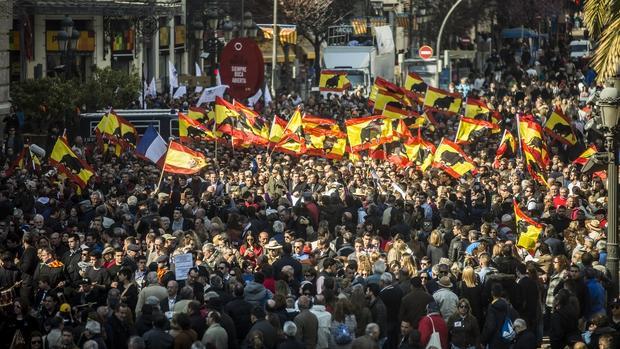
[360,57]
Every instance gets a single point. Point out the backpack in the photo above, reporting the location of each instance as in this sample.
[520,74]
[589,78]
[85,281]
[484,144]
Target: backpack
[342,334]
[508,333]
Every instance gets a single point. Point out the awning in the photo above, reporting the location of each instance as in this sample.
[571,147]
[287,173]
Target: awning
[266,49]
[307,48]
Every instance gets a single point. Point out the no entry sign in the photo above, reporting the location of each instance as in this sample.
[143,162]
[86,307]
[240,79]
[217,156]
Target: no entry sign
[425,52]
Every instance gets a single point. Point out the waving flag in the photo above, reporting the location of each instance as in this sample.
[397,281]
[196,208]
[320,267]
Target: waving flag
[442,100]
[278,125]
[190,128]
[451,158]
[255,124]
[507,147]
[198,114]
[333,81]
[586,155]
[559,127]
[371,131]
[386,98]
[295,124]
[415,84]
[128,133]
[183,160]
[533,167]
[471,129]
[528,230]
[314,122]
[291,144]
[152,146]
[531,136]
[476,109]
[225,116]
[68,163]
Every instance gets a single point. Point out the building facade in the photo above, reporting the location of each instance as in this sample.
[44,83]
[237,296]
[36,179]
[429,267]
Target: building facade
[128,35]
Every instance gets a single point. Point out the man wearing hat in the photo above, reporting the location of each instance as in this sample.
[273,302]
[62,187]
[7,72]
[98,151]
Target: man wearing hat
[445,298]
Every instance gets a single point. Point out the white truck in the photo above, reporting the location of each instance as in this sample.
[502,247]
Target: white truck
[362,63]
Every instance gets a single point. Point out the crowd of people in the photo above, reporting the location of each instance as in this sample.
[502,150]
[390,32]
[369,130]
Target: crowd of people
[292,252]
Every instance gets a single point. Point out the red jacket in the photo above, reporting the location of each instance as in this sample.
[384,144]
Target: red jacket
[426,329]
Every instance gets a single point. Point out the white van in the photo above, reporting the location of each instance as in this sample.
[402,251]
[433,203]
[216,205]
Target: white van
[580,49]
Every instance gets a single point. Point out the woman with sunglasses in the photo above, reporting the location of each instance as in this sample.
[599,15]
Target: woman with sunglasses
[250,250]
[463,327]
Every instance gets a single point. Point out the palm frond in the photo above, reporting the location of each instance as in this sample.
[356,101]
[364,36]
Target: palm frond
[606,59]
[597,14]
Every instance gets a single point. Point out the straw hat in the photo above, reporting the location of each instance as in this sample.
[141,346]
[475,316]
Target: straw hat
[273,245]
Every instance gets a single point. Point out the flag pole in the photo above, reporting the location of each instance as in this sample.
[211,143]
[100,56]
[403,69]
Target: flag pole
[215,136]
[519,134]
[161,176]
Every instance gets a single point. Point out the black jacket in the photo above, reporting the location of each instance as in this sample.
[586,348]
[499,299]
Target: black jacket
[496,315]
[525,340]
[413,306]
[563,327]
[528,301]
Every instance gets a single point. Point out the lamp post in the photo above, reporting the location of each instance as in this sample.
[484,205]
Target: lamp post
[68,38]
[438,52]
[198,28]
[609,103]
[228,26]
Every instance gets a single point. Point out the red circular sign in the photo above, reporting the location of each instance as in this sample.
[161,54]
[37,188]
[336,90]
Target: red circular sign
[242,68]
[425,52]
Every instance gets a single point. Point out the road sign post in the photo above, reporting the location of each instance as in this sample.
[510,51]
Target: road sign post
[425,52]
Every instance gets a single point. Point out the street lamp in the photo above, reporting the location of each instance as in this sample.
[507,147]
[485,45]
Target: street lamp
[212,19]
[438,53]
[609,103]
[249,25]
[67,39]
[198,29]
[228,26]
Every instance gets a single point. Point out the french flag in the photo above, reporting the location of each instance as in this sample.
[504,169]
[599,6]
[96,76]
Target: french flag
[152,146]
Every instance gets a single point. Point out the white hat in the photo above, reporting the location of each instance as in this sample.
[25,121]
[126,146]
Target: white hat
[93,327]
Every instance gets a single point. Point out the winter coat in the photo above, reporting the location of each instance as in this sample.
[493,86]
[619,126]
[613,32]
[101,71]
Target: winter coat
[256,294]
[496,315]
[447,301]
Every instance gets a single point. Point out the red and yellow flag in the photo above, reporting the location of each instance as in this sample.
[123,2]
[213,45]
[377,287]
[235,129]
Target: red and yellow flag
[471,129]
[451,158]
[255,126]
[370,131]
[531,135]
[414,83]
[190,128]
[334,81]
[225,116]
[507,147]
[586,155]
[183,160]
[68,163]
[476,109]
[278,125]
[442,100]
[385,98]
[529,230]
[323,124]
[559,127]
[325,143]
[533,167]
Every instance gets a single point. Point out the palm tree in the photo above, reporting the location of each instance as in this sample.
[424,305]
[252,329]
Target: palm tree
[602,18]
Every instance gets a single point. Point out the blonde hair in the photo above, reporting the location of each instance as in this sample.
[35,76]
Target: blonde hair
[469,277]
[435,238]
[396,251]
[364,265]
[406,262]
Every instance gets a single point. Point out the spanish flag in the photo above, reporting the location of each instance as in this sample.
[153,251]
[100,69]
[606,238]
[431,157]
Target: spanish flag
[333,81]
[183,160]
[225,116]
[442,100]
[420,152]
[68,163]
[533,167]
[109,127]
[451,158]
[295,124]
[476,109]
[529,231]
[385,85]
[415,84]
[291,144]
[310,122]
[278,125]
[559,127]
[586,155]
[324,143]
[198,114]
[386,98]
[190,128]
[531,135]
[395,110]
[366,132]
[471,129]
[129,134]
[507,147]
[254,122]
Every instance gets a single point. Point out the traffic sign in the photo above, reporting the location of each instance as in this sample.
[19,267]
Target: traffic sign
[425,52]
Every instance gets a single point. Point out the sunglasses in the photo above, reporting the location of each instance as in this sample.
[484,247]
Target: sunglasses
[463,306]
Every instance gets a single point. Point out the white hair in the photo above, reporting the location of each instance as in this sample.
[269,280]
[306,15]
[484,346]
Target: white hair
[289,329]
[379,267]
[386,278]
